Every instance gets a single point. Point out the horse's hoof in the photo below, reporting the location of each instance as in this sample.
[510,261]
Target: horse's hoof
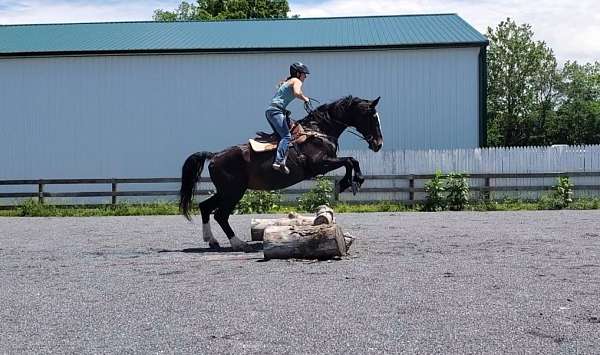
[214,245]
[355,187]
[359,181]
[239,245]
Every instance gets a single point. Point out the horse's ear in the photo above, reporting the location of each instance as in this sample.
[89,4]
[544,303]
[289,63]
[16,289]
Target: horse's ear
[375,102]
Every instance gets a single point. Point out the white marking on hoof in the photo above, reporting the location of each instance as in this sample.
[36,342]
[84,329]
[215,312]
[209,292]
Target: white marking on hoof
[207,235]
[237,244]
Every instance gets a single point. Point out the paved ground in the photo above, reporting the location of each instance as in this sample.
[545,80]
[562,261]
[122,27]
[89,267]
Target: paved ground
[516,282]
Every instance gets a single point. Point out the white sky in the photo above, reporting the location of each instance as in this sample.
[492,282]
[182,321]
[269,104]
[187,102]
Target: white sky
[570,28]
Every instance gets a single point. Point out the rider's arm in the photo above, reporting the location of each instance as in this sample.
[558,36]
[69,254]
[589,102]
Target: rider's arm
[297,86]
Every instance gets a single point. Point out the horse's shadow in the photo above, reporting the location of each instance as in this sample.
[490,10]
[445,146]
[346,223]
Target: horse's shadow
[252,248]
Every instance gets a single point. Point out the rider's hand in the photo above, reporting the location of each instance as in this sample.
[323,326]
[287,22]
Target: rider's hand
[308,107]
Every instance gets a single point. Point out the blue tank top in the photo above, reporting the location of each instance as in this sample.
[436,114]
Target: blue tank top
[284,95]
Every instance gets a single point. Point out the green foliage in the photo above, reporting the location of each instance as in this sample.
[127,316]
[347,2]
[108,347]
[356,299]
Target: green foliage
[561,197]
[577,120]
[382,206]
[225,9]
[34,209]
[532,102]
[457,189]
[563,191]
[435,189]
[507,204]
[258,202]
[447,192]
[549,202]
[522,80]
[31,208]
[321,194]
[585,204]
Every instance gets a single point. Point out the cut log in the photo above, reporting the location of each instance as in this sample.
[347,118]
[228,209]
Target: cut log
[349,238]
[258,225]
[304,242]
[324,215]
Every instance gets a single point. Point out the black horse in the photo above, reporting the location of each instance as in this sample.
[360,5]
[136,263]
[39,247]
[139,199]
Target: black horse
[238,168]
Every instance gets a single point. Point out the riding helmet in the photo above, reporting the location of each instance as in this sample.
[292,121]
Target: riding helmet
[298,68]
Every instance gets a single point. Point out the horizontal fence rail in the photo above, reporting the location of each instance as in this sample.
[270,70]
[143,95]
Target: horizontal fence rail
[482,184]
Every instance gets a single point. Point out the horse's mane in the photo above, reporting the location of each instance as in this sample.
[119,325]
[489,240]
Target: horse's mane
[324,111]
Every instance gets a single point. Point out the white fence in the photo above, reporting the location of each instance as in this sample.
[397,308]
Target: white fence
[477,161]
[574,159]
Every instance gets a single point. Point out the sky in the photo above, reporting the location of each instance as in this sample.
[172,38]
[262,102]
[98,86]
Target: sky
[570,28]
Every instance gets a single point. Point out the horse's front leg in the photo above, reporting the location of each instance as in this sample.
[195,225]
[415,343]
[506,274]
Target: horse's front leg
[354,181]
[358,178]
[328,164]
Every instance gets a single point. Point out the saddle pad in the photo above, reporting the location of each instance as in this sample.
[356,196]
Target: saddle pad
[262,147]
[298,136]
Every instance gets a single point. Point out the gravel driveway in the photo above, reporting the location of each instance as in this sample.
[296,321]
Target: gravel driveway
[461,282]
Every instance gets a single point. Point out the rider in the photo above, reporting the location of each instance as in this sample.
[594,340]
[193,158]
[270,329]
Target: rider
[288,90]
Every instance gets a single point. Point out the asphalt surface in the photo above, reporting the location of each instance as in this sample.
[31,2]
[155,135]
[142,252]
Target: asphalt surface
[452,283]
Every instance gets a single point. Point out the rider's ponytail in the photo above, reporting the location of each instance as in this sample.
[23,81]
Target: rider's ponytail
[281,82]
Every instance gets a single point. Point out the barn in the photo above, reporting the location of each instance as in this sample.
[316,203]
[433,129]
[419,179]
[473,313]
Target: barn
[133,99]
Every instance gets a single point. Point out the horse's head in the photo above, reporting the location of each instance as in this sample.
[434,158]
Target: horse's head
[364,117]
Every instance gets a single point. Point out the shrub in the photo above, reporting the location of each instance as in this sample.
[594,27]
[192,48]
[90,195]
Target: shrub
[563,191]
[258,202]
[457,188]
[435,189]
[32,208]
[321,194]
[549,202]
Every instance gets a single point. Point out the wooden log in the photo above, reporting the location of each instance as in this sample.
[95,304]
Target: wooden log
[304,242]
[258,225]
[349,238]
[324,215]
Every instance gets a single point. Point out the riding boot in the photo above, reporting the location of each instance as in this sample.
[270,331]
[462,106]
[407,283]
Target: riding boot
[281,167]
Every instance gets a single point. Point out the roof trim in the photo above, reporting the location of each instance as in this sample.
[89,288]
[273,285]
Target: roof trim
[240,50]
[231,20]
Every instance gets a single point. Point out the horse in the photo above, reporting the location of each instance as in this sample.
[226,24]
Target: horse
[238,168]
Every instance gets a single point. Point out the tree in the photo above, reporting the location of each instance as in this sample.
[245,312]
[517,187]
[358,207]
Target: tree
[225,9]
[577,120]
[522,80]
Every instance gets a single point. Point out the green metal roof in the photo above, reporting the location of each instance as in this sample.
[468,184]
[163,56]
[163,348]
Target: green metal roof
[240,35]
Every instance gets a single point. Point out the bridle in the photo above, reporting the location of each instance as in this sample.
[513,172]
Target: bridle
[347,128]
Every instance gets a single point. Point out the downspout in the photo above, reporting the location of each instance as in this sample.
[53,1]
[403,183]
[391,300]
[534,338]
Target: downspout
[483,88]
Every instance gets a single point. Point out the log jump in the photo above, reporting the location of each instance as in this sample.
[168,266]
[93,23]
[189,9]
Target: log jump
[302,237]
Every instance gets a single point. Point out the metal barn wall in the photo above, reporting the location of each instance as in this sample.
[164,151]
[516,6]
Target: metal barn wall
[140,116]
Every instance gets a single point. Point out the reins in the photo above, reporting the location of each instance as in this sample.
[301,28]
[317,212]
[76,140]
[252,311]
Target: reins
[346,126]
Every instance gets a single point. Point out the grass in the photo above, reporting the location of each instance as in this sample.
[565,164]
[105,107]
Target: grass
[31,208]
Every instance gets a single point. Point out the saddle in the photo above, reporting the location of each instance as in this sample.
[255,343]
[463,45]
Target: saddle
[265,142]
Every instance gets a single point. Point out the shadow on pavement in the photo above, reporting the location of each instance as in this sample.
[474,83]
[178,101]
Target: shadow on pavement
[252,248]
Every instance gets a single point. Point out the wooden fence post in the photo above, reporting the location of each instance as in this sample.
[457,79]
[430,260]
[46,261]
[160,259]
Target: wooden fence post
[411,185]
[41,193]
[486,194]
[114,190]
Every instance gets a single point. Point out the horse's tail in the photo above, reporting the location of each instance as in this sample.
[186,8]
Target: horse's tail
[190,174]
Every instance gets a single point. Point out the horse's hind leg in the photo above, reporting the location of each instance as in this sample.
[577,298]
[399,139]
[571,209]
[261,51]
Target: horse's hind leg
[224,210]
[206,208]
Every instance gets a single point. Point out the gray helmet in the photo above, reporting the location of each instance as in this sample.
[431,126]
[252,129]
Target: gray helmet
[298,68]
